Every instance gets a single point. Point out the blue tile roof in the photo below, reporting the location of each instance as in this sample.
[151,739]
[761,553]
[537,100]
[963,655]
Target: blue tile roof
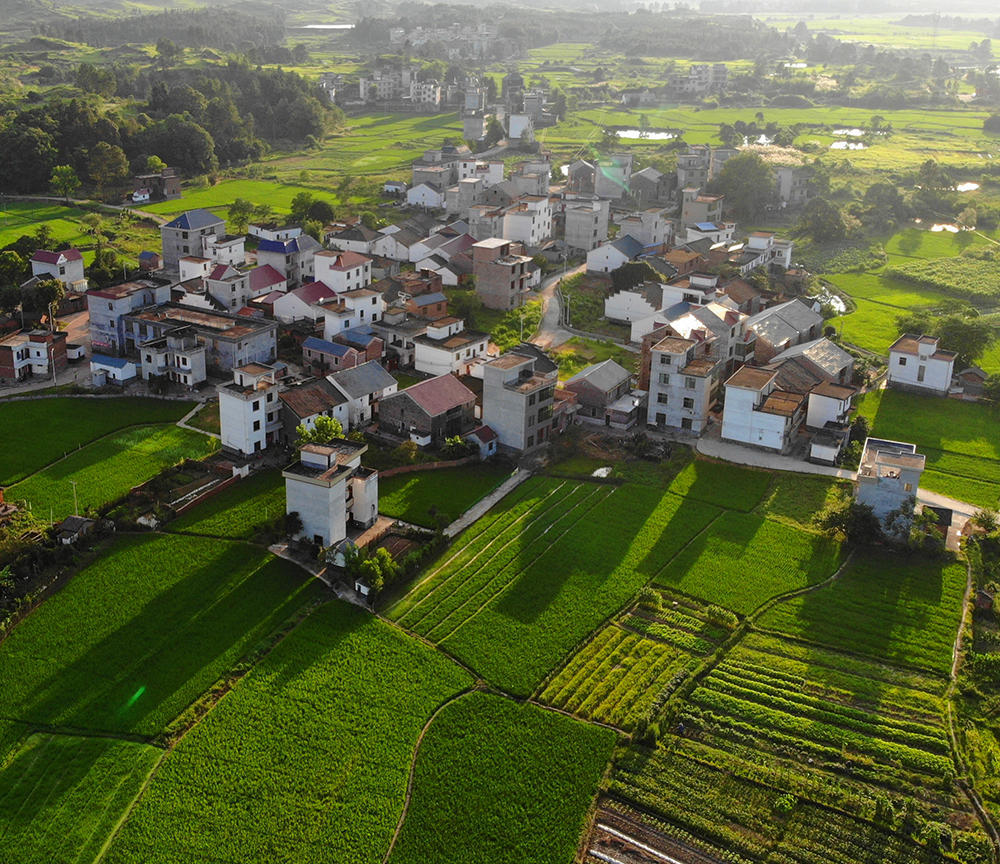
[628,245]
[114,362]
[283,247]
[706,226]
[363,335]
[314,343]
[192,220]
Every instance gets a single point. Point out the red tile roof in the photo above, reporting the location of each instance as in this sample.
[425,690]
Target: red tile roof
[264,277]
[441,394]
[345,260]
[46,257]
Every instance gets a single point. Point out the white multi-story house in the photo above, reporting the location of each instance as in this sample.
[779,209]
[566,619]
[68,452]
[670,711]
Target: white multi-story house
[917,363]
[651,227]
[529,221]
[490,173]
[249,412]
[586,224]
[330,489]
[888,477]
[342,271]
[683,376]
[66,266]
[757,412]
[446,346]
[178,356]
[350,309]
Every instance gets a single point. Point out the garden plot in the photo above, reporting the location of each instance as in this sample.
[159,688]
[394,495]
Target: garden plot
[499,781]
[305,760]
[61,796]
[623,674]
[135,637]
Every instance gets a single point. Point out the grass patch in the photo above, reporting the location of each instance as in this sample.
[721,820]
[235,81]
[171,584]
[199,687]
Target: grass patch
[238,511]
[433,497]
[109,468]
[797,499]
[69,424]
[580,352]
[306,759]
[485,755]
[207,418]
[894,608]
[970,278]
[744,560]
[60,796]
[140,633]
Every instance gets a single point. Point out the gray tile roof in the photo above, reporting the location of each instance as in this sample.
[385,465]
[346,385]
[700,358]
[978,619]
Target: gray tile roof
[362,380]
[604,376]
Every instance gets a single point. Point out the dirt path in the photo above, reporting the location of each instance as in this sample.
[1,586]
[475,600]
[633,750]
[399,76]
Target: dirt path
[550,332]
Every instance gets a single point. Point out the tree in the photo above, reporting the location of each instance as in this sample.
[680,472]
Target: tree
[494,132]
[748,183]
[321,211]
[992,124]
[154,164]
[39,299]
[369,219]
[13,267]
[855,522]
[822,221]
[10,298]
[167,51]
[300,205]
[968,337]
[324,430]
[314,229]
[105,268]
[29,156]
[64,181]
[631,274]
[240,212]
[106,164]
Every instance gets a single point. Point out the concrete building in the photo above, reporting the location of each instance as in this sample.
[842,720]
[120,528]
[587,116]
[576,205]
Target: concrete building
[612,175]
[350,310]
[330,489]
[501,273]
[888,478]
[430,411]
[303,404]
[178,356]
[29,353]
[611,256]
[184,235]
[597,387]
[682,384]
[446,346]
[292,258]
[758,413]
[697,208]
[918,364]
[651,227]
[117,371]
[303,303]
[249,413]
[364,387]
[518,392]
[794,185]
[781,327]
[585,224]
[528,221]
[342,271]
[108,307]
[650,188]
[66,266]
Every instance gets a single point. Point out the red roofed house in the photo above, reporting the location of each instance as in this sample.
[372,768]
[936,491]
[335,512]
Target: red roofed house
[298,304]
[66,266]
[429,411]
[343,271]
[485,439]
[264,280]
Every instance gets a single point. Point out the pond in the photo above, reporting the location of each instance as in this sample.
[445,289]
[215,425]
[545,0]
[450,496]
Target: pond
[645,134]
[966,187]
[324,27]
[828,298]
[763,140]
[848,145]
[851,133]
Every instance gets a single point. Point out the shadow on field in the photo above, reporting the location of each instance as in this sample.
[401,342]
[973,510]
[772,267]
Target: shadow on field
[164,656]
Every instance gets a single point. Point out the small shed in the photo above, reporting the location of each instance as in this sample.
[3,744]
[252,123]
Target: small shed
[485,439]
[72,528]
[984,599]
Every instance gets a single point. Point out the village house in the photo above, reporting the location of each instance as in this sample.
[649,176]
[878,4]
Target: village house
[66,266]
[888,478]
[116,371]
[697,208]
[682,383]
[650,188]
[330,490]
[651,227]
[518,394]
[302,404]
[350,310]
[501,273]
[446,346]
[918,364]
[364,387]
[342,271]
[428,306]
[610,256]
[597,388]
[612,175]
[781,327]
[757,412]
[429,411]
[322,356]
[292,258]
[273,231]
[163,185]
[485,440]
[357,238]
[303,303]
[428,195]
[249,414]
[34,352]
[398,331]
[184,235]
[364,340]
[107,308]
[585,224]
[177,356]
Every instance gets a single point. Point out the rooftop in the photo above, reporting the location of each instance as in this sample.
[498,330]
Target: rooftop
[750,378]
[782,403]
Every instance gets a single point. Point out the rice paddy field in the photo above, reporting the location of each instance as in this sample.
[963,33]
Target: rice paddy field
[108,468]
[70,424]
[431,497]
[239,511]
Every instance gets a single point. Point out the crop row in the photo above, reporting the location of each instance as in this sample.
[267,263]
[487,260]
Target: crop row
[617,677]
[285,767]
[499,781]
[238,511]
[530,497]
[689,617]
[585,576]
[469,591]
[666,633]
[771,724]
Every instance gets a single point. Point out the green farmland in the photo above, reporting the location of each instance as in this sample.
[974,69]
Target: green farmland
[429,497]
[238,511]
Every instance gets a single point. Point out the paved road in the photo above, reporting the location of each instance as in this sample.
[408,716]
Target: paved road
[481,506]
[550,334]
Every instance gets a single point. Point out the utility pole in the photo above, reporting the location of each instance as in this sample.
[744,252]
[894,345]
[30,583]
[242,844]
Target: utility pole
[76,508]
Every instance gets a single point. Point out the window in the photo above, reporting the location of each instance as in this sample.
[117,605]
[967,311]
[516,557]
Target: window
[689,383]
[531,399]
[689,403]
[661,398]
[256,405]
[907,487]
[920,372]
[531,440]
[666,359]
[664,378]
[111,306]
[256,425]
[902,361]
